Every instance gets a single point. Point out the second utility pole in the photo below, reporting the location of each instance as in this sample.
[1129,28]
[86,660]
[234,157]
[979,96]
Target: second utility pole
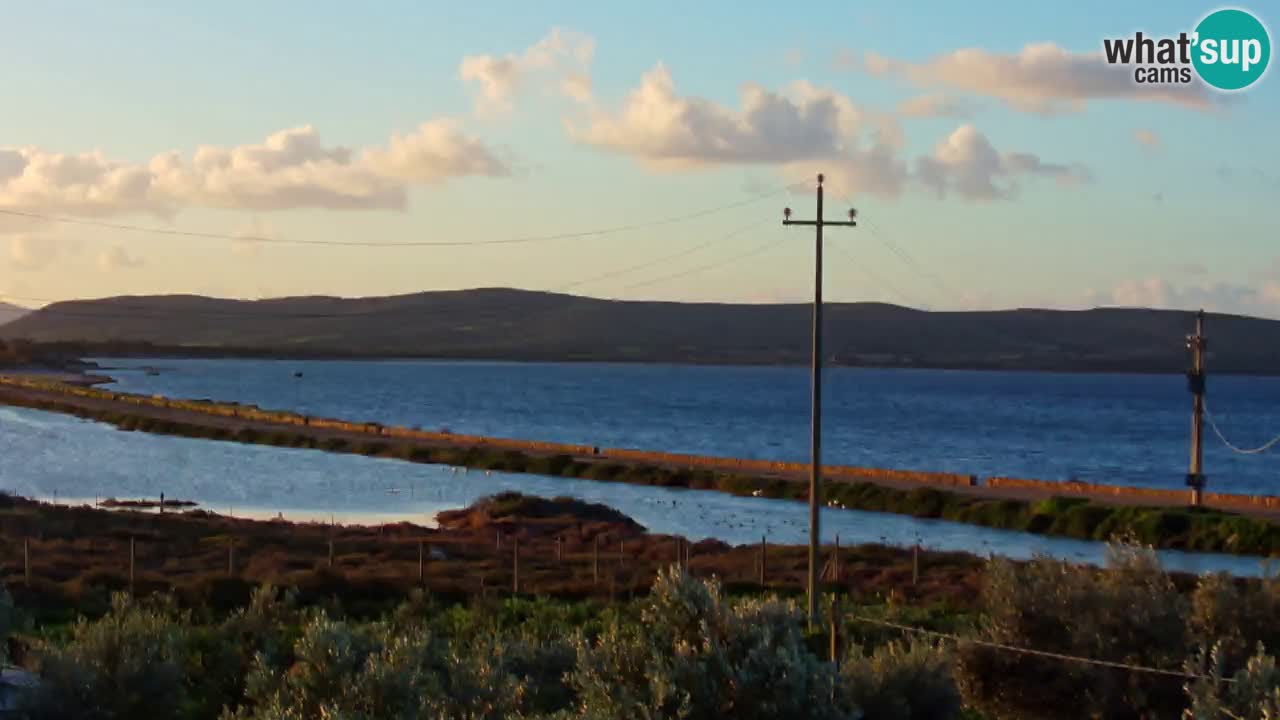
[1195,383]
[815,439]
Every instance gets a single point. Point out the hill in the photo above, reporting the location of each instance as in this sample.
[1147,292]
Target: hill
[10,312]
[527,325]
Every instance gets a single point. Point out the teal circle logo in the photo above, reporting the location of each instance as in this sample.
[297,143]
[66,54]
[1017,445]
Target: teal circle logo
[1232,49]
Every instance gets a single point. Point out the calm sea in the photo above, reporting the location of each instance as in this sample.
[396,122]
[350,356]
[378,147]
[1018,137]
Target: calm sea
[1114,428]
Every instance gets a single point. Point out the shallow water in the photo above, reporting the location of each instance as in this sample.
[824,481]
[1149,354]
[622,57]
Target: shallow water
[59,457]
[1112,428]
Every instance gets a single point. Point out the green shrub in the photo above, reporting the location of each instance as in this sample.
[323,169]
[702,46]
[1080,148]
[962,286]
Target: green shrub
[129,664]
[901,681]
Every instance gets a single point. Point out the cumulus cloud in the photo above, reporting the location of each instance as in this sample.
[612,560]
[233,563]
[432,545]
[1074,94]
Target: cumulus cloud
[1261,297]
[1147,138]
[1041,78]
[29,252]
[934,105]
[562,58]
[803,130]
[966,163]
[290,169]
[662,127]
[115,258]
[791,129]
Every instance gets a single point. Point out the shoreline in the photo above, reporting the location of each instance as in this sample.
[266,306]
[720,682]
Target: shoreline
[1050,369]
[1052,509]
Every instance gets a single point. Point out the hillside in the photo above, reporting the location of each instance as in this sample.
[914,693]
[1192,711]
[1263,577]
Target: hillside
[10,312]
[526,325]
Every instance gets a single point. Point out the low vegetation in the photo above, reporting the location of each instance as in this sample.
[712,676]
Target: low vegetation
[1120,643]
[61,562]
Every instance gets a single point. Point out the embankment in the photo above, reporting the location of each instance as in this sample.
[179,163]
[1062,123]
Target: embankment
[1077,510]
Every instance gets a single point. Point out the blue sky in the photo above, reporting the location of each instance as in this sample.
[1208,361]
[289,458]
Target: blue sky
[1044,194]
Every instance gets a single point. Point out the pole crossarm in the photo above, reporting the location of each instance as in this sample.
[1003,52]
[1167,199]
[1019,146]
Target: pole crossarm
[815,438]
[825,223]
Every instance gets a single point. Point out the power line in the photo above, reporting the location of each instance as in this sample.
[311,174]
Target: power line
[421,243]
[148,311]
[877,279]
[908,259]
[1234,448]
[958,639]
[665,258]
[713,265]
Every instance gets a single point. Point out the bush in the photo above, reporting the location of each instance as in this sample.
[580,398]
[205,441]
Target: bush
[1252,693]
[382,672]
[901,681]
[1127,612]
[129,664]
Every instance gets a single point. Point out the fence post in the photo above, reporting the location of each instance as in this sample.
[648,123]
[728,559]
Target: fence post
[497,542]
[595,561]
[835,629]
[679,553]
[330,552]
[915,563]
[559,549]
[421,556]
[835,562]
[688,552]
[231,556]
[515,565]
[763,546]
[131,564]
[26,560]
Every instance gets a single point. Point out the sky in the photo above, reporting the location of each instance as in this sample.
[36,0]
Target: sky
[993,157]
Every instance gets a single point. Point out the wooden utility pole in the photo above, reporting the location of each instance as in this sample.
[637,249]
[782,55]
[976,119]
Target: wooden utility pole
[1196,384]
[815,436]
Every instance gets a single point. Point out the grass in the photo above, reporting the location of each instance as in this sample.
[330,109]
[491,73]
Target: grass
[1079,518]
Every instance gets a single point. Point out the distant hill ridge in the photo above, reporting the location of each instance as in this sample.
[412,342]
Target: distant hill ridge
[499,323]
[10,312]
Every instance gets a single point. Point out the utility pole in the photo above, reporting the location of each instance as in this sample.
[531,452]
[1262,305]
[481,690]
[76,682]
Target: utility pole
[1196,384]
[815,438]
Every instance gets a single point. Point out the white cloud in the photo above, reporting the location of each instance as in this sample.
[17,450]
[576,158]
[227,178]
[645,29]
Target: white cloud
[433,153]
[966,163]
[934,105]
[793,130]
[115,258]
[290,169]
[801,131]
[1261,297]
[1147,138]
[562,58]
[1041,78]
[659,126]
[29,252]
